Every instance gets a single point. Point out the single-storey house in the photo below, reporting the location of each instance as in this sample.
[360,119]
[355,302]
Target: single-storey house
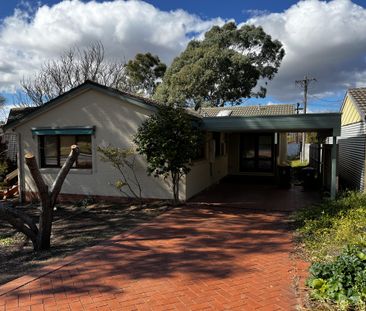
[239,141]
[352,141]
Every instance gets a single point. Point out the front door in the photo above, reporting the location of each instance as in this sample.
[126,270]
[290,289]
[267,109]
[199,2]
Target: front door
[256,152]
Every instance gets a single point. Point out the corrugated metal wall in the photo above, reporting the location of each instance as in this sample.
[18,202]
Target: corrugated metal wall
[352,155]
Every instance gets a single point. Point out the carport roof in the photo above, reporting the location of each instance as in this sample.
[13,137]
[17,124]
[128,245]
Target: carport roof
[329,124]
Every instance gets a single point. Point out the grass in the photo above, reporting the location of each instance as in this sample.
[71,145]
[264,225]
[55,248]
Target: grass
[6,241]
[325,233]
[298,163]
[325,229]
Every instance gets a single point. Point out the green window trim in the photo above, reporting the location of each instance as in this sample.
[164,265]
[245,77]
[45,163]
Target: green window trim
[90,130]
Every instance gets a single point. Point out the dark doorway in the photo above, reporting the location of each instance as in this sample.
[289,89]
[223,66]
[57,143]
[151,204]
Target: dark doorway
[256,152]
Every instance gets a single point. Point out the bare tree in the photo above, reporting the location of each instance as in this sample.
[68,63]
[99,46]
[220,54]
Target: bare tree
[41,235]
[72,69]
[3,114]
[124,160]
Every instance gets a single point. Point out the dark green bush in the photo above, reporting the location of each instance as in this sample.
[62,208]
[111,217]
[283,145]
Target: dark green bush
[343,281]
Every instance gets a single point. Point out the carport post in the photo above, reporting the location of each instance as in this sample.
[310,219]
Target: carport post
[333,180]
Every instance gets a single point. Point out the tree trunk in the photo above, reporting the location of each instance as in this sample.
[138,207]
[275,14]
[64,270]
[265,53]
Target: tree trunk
[48,198]
[43,240]
[41,235]
[175,179]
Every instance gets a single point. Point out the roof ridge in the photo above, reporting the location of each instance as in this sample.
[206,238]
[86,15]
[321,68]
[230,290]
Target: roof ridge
[357,88]
[239,106]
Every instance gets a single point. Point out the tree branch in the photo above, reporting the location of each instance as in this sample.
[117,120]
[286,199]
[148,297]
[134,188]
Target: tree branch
[20,222]
[57,184]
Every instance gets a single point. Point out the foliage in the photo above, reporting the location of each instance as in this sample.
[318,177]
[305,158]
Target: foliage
[71,69]
[169,140]
[144,73]
[3,167]
[224,67]
[88,200]
[343,280]
[334,236]
[325,229]
[312,138]
[124,160]
[298,163]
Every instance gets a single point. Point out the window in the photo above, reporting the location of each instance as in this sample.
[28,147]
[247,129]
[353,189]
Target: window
[55,149]
[257,152]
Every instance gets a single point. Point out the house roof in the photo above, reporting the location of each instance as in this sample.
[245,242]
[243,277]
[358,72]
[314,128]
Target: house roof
[20,115]
[249,111]
[358,95]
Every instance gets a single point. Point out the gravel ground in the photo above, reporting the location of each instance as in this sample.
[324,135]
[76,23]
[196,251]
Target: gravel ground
[73,229]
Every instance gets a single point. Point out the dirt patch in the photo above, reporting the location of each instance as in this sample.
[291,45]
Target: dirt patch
[74,228]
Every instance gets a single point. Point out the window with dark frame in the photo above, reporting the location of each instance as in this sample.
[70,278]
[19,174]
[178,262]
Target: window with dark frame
[54,150]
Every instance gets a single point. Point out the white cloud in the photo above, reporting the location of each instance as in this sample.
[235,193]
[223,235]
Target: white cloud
[326,40]
[124,27]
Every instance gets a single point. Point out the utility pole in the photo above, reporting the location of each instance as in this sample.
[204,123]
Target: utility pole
[304,84]
[298,109]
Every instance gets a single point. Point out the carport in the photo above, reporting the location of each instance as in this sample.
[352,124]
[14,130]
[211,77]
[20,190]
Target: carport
[325,124]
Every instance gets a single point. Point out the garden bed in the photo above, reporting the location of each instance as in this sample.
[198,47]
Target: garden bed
[332,237]
[74,228]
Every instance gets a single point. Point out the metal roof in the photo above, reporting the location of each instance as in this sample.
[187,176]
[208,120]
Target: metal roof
[248,111]
[328,124]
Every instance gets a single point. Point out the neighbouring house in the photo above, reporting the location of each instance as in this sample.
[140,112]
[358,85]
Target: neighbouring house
[9,139]
[352,141]
[239,141]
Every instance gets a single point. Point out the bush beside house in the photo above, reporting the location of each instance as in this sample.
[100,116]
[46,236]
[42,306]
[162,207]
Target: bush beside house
[333,236]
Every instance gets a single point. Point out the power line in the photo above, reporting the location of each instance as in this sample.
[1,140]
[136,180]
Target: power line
[325,100]
[305,84]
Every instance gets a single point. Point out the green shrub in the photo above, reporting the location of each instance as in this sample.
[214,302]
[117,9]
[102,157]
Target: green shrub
[341,281]
[325,229]
[3,167]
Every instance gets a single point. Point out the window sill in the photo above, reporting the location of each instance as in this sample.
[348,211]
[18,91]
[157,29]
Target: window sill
[78,171]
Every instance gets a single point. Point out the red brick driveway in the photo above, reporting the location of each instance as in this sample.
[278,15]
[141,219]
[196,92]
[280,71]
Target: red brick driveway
[187,259]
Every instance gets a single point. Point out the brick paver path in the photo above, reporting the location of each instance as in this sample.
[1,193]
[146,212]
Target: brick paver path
[187,259]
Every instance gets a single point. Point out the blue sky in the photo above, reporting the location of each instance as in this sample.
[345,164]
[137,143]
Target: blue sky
[237,9]
[325,40]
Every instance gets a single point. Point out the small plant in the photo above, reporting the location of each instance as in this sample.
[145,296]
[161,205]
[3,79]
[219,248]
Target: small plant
[124,160]
[85,201]
[326,228]
[342,281]
[3,167]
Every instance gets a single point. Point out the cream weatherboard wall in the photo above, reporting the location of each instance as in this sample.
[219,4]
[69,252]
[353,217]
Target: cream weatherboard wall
[352,145]
[350,113]
[116,122]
